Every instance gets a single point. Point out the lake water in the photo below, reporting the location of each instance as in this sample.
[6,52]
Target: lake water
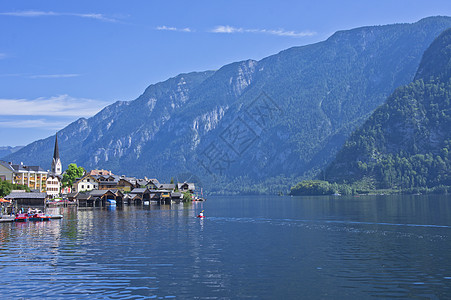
[246,248]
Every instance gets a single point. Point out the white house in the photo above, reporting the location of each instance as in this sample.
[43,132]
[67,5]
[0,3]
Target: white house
[54,178]
[85,183]
[53,185]
[32,176]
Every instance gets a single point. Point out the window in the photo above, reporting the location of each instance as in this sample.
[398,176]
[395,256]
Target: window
[82,186]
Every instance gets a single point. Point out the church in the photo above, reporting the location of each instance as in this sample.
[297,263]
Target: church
[54,178]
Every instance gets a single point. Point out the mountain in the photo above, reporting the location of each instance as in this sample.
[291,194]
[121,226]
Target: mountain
[251,125]
[406,143]
[6,150]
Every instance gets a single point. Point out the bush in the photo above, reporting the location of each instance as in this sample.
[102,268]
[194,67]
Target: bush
[187,196]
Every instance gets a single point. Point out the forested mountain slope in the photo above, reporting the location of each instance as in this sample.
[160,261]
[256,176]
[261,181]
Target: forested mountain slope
[406,143]
[251,125]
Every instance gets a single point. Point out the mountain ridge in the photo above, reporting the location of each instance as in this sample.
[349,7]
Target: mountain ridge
[319,93]
[405,143]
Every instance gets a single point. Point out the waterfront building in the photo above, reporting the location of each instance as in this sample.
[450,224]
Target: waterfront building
[54,178]
[141,182]
[126,184]
[107,182]
[32,176]
[85,183]
[186,187]
[167,186]
[22,198]
[53,185]
[100,172]
[153,184]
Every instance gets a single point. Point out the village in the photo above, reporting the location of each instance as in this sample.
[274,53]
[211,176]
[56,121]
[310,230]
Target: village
[94,188]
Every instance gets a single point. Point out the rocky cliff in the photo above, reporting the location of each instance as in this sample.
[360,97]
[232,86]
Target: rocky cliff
[252,123]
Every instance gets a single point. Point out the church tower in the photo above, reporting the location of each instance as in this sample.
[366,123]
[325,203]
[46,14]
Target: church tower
[57,167]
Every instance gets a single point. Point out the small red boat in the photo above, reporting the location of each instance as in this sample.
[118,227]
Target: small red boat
[21,218]
[201,215]
[39,217]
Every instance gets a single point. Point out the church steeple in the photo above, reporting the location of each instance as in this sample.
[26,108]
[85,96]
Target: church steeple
[56,163]
[56,153]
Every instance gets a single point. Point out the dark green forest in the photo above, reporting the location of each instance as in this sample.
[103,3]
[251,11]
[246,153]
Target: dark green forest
[405,145]
[250,126]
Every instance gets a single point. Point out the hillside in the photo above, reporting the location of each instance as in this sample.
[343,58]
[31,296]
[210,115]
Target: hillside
[6,150]
[406,143]
[251,125]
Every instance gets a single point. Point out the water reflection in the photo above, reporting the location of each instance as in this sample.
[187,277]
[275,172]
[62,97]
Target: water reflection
[246,247]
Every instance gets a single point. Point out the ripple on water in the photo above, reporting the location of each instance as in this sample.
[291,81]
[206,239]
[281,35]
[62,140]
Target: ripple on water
[167,253]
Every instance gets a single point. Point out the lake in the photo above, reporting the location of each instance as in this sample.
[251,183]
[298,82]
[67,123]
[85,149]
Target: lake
[256,247]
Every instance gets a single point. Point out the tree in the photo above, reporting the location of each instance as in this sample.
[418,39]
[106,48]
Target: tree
[73,172]
[5,188]
[187,197]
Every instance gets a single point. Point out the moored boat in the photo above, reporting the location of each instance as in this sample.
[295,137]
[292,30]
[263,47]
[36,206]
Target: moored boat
[55,216]
[21,218]
[39,217]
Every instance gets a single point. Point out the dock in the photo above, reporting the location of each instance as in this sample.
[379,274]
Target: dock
[8,219]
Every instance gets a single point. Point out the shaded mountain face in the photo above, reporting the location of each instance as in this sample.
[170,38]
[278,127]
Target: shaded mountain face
[6,150]
[266,122]
[406,142]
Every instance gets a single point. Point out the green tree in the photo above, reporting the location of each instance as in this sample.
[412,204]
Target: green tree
[73,172]
[187,196]
[5,188]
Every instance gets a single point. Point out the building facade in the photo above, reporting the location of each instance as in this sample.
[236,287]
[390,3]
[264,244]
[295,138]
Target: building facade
[32,176]
[86,183]
[54,178]
[53,187]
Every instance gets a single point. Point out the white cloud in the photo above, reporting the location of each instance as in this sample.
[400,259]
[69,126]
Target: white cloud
[279,32]
[62,105]
[100,17]
[36,13]
[226,29]
[167,28]
[54,76]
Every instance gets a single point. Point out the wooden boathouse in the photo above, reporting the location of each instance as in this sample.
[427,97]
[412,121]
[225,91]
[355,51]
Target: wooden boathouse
[27,199]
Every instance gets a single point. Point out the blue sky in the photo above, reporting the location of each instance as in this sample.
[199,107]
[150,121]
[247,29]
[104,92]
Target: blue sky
[61,60]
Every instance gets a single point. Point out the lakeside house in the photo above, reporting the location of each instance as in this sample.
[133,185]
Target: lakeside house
[32,176]
[186,187]
[99,172]
[55,177]
[152,184]
[92,189]
[53,185]
[85,183]
[27,199]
